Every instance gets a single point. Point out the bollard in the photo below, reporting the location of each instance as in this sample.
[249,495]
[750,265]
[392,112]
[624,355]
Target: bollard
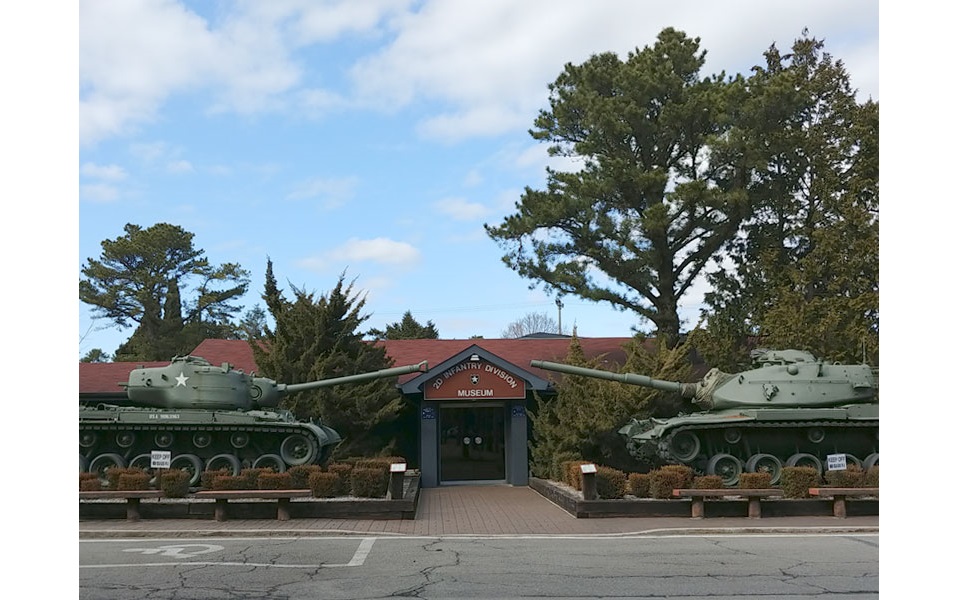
[396,477]
[589,481]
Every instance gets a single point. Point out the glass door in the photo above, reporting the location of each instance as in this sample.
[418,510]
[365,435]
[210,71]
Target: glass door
[472,442]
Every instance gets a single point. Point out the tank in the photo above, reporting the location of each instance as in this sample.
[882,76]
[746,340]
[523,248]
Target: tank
[209,417]
[791,409]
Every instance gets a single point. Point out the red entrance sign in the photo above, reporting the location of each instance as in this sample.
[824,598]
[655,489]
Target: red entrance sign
[475,380]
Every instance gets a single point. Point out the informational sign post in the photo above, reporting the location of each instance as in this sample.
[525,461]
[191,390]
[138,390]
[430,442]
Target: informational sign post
[837,462]
[160,459]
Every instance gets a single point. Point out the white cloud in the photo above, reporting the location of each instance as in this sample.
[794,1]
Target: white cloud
[179,166]
[379,250]
[460,209]
[100,193]
[332,192]
[104,172]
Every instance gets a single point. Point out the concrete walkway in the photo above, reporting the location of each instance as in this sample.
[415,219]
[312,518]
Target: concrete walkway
[488,510]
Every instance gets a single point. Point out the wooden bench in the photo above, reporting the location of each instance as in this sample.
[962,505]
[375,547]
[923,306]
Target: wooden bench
[839,495]
[753,498]
[133,498]
[221,498]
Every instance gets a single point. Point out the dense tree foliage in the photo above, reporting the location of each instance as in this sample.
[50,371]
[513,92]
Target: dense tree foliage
[531,323]
[407,329]
[96,355]
[318,338]
[652,202]
[583,419]
[140,278]
[804,271]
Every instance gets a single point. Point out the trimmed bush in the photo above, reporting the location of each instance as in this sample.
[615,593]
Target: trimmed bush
[709,482]
[559,470]
[344,472]
[134,481]
[852,476]
[871,477]
[252,475]
[208,477]
[114,475]
[611,483]
[369,482]
[274,481]
[90,484]
[795,481]
[300,474]
[638,484]
[662,483]
[755,481]
[574,475]
[324,484]
[230,482]
[174,482]
[686,473]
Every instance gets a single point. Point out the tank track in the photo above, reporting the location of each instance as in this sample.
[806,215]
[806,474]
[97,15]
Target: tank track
[708,433]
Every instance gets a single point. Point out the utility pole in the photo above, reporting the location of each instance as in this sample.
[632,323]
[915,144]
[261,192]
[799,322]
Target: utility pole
[559,316]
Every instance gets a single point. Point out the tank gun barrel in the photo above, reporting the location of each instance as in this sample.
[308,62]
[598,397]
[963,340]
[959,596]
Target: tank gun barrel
[421,367]
[687,390]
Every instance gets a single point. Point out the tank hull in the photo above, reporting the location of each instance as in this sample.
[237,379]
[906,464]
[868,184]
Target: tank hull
[200,439]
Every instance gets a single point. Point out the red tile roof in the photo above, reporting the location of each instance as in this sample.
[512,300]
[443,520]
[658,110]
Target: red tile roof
[98,378]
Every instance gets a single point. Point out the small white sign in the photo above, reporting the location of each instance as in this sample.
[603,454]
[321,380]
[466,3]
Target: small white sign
[397,468]
[837,462]
[591,468]
[160,459]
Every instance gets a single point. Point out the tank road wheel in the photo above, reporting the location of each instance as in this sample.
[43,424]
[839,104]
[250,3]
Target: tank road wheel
[189,463]
[224,461]
[732,435]
[141,461]
[271,461]
[87,439]
[851,459]
[804,459]
[102,462]
[684,446]
[125,439]
[870,461]
[768,463]
[239,439]
[163,439]
[83,463]
[815,435]
[202,439]
[297,449]
[726,466]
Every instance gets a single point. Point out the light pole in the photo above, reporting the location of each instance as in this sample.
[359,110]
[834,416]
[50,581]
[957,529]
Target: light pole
[559,316]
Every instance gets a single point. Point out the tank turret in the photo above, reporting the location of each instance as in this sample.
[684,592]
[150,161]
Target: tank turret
[193,382]
[790,409]
[208,417]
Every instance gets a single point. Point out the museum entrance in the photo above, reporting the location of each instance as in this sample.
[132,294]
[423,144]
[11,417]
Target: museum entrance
[472,442]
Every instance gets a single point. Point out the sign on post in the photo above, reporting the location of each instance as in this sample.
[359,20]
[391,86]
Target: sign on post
[837,462]
[160,459]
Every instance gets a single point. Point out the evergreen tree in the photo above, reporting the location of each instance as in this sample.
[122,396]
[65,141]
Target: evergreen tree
[318,338]
[407,329]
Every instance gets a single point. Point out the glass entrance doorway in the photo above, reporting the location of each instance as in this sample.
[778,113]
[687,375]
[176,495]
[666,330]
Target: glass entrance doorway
[472,442]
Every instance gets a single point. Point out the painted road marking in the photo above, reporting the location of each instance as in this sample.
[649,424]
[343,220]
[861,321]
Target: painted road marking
[178,550]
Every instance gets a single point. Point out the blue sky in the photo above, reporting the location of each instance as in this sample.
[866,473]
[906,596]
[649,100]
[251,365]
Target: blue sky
[374,138]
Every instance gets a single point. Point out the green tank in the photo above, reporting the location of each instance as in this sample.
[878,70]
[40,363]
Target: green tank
[791,409]
[209,417]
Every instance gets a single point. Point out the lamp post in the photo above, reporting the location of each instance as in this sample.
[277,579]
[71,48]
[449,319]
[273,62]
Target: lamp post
[559,316]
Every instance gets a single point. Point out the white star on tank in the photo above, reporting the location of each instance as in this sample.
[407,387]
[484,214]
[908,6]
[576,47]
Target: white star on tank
[182,380]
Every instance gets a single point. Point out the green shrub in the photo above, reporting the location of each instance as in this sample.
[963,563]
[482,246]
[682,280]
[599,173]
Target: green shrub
[611,483]
[324,484]
[663,482]
[208,477]
[871,477]
[300,474]
[638,484]
[275,481]
[134,481]
[709,482]
[174,482]
[230,482]
[686,473]
[755,481]
[852,476]
[795,481]
[559,470]
[574,474]
[368,482]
